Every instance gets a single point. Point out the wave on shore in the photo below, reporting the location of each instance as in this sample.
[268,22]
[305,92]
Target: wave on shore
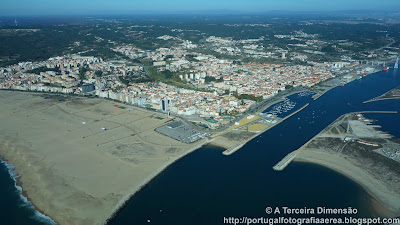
[24,201]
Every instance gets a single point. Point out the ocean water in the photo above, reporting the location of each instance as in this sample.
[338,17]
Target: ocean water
[205,186]
[14,207]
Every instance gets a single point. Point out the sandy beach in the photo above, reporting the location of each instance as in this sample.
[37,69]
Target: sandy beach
[364,164]
[71,169]
[386,200]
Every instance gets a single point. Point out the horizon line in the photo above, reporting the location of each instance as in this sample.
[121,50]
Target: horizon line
[200,12]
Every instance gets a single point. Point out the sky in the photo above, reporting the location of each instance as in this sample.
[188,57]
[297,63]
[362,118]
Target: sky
[76,7]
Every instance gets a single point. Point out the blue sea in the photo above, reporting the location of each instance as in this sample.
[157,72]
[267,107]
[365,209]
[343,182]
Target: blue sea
[206,186]
[14,207]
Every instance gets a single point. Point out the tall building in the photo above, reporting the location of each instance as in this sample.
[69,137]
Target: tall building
[87,88]
[283,55]
[164,104]
[396,65]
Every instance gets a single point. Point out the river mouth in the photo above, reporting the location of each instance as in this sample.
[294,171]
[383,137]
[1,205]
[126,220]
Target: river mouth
[208,185]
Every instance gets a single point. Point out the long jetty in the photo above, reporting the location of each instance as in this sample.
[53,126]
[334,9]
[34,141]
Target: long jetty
[291,114]
[235,148]
[316,96]
[285,161]
[390,112]
[381,98]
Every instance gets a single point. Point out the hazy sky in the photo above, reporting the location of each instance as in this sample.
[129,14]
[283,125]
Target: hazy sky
[54,7]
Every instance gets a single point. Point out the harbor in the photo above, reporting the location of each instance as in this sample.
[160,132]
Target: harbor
[270,121]
[253,164]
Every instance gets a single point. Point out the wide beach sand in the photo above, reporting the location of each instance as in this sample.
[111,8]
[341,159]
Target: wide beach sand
[75,172]
[341,147]
[386,201]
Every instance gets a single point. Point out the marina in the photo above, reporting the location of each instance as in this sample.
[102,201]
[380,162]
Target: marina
[288,105]
[283,107]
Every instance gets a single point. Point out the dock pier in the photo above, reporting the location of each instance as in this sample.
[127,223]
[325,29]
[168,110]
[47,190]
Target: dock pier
[233,149]
[285,161]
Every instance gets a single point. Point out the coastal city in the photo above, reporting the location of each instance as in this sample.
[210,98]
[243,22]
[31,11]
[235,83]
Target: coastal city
[223,87]
[264,80]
